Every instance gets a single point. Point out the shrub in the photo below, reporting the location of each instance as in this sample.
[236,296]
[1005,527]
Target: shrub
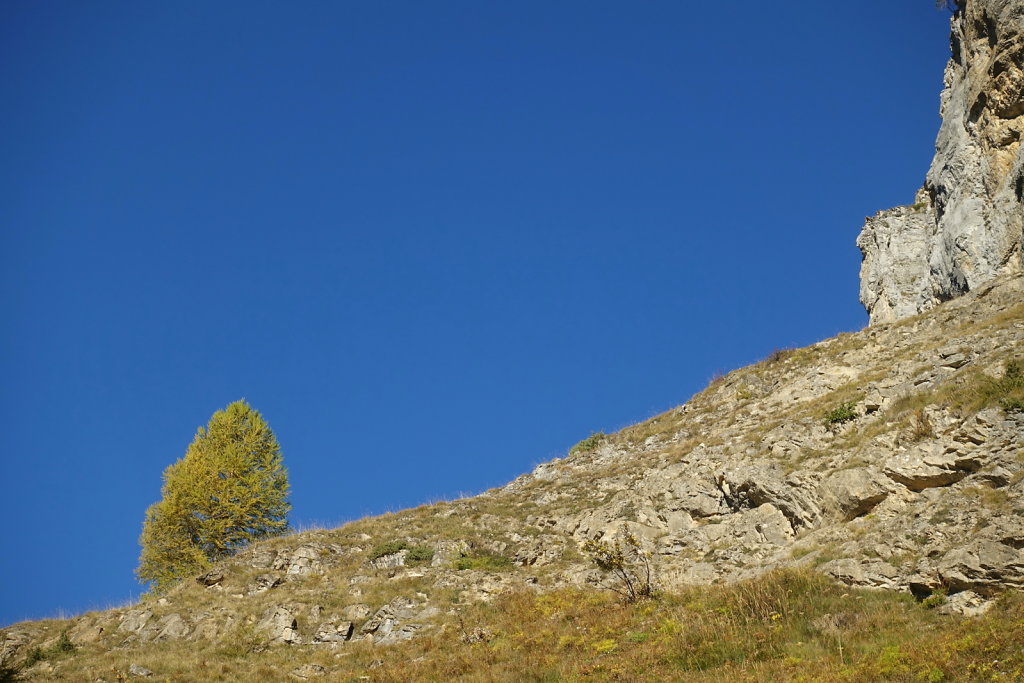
[627,563]
[840,414]
[62,646]
[389,548]
[589,443]
[936,599]
[1011,388]
[419,554]
[920,425]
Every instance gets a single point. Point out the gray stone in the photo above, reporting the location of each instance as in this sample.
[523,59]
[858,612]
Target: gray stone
[966,603]
[929,465]
[172,627]
[135,621]
[333,632]
[854,492]
[967,225]
[263,583]
[280,625]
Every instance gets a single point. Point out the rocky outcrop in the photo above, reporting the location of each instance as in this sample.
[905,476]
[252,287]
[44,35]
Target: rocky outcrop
[966,226]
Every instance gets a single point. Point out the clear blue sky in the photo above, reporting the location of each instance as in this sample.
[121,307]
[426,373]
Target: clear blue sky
[434,244]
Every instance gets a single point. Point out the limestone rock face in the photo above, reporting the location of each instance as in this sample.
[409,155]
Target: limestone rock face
[966,226]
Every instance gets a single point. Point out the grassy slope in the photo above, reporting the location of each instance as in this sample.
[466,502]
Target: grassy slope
[787,625]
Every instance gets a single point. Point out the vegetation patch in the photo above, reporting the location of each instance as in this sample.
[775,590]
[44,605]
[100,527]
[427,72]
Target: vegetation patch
[626,564]
[415,554]
[483,561]
[588,444]
[974,390]
[59,649]
[388,548]
[842,413]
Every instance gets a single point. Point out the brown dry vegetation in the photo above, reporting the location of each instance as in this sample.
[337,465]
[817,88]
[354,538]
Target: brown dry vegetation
[784,626]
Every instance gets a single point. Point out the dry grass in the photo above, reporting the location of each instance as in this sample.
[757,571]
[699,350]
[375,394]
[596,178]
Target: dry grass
[785,626]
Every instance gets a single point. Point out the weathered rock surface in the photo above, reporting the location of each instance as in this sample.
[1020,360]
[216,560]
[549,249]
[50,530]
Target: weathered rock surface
[966,226]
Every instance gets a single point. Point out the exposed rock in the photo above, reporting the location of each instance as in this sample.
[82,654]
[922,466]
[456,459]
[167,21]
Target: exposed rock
[933,464]
[447,552]
[135,621]
[333,632]
[405,632]
[966,603]
[749,486]
[13,642]
[967,224]
[139,671]
[305,560]
[263,583]
[982,566]
[390,561]
[355,612]
[872,573]
[854,492]
[171,627]
[280,624]
[84,632]
[210,578]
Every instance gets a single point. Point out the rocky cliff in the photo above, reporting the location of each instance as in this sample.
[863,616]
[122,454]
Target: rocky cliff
[967,223]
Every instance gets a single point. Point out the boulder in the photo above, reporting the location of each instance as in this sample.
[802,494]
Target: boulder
[280,625]
[848,494]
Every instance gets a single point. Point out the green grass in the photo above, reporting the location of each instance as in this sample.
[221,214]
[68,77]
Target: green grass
[844,412]
[589,443]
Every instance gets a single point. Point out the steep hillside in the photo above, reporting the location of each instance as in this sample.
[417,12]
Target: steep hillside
[771,507]
[889,458]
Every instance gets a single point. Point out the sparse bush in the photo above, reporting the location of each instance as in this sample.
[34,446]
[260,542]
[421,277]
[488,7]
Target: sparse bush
[936,599]
[62,646]
[419,554]
[389,548]
[920,425]
[589,443]
[34,656]
[627,563]
[1011,388]
[840,414]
